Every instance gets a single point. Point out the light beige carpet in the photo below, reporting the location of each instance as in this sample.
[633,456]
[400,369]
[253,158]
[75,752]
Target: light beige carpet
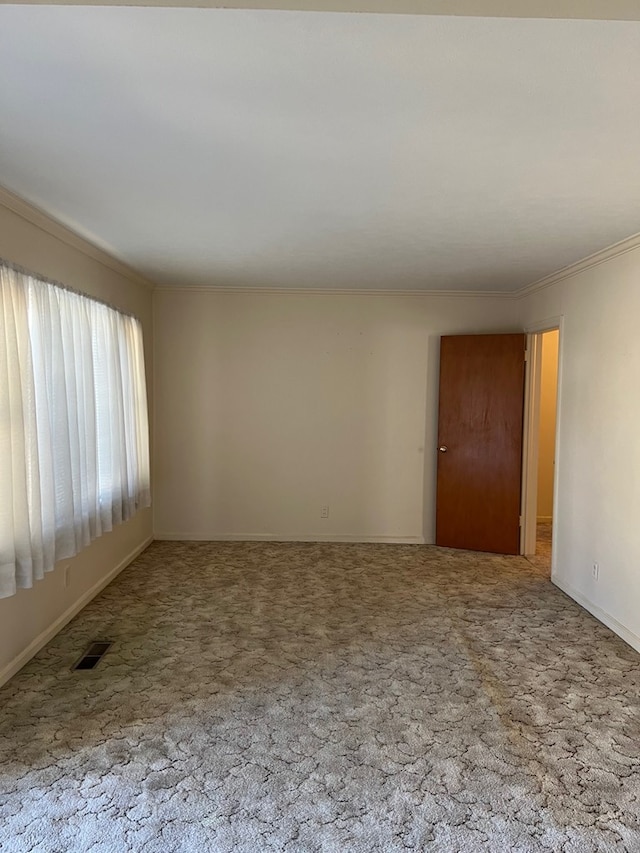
[267,697]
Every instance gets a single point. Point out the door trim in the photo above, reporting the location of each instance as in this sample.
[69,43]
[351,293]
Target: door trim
[530,438]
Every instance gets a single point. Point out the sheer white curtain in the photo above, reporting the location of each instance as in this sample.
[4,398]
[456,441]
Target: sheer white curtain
[74,448]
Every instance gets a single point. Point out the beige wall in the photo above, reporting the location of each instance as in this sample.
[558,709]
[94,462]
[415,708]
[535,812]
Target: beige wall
[31,617]
[547,426]
[269,406]
[598,459]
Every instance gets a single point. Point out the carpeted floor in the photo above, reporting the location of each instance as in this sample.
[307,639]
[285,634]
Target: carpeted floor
[304,697]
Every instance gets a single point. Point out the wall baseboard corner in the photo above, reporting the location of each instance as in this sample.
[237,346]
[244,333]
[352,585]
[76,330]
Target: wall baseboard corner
[42,639]
[273,537]
[601,615]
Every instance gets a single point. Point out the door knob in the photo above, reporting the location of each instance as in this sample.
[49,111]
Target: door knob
[443,448]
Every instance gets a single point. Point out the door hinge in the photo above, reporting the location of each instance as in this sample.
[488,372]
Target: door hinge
[526,355]
[520,521]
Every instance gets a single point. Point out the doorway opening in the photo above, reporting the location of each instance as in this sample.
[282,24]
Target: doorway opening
[539,469]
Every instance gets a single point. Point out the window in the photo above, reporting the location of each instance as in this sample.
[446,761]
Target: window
[74,448]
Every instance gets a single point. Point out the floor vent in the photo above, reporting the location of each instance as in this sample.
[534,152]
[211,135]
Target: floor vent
[94,654]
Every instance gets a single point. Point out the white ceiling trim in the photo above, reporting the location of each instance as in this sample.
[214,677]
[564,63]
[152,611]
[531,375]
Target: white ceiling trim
[629,244]
[603,10]
[56,229]
[325,291]
[623,247]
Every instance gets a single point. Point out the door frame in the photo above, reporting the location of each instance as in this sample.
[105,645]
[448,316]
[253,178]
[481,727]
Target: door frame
[533,375]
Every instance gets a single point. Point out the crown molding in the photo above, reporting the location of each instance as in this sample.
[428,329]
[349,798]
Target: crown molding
[327,291]
[602,256]
[61,232]
[604,10]
[629,244]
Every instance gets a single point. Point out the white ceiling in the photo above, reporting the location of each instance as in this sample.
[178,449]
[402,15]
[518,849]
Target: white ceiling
[217,147]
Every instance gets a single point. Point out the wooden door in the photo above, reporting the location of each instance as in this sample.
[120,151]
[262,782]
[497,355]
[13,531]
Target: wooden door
[480,426]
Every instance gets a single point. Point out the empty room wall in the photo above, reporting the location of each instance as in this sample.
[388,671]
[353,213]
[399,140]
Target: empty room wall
[32,616]
[598,461]
[270,406]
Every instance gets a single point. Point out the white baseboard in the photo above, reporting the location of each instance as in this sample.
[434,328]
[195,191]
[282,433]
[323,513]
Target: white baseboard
[273,537]
[42,639]
[601,615]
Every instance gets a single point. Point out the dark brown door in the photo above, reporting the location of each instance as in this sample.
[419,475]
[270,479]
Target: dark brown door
[480,442]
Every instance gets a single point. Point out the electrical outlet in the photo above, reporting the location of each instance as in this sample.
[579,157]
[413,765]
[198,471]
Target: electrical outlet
[596,571]
[324,512]
[67,575]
